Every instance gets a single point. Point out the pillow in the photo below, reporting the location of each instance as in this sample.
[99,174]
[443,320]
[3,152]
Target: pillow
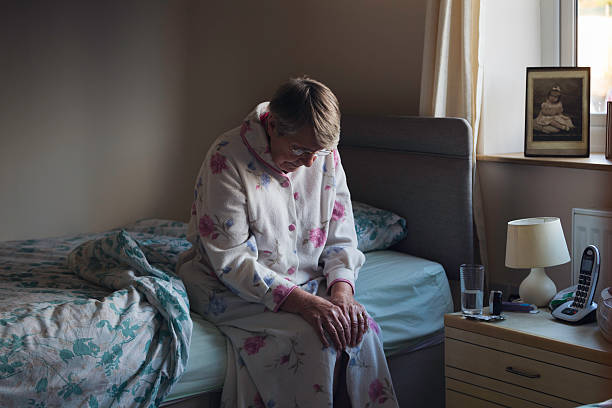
[377,229]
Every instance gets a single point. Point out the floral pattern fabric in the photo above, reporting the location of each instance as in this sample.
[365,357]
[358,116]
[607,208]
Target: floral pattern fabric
[377,229]
[107,325]
[258,234]
[277,360]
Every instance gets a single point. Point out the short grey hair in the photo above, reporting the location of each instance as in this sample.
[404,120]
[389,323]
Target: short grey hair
[306,102]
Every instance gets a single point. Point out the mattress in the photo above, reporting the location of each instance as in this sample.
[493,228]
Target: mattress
[406,295]
[206,366]
[410,314]
[416,297]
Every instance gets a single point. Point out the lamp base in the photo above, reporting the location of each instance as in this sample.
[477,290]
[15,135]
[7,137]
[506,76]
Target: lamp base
[537,288]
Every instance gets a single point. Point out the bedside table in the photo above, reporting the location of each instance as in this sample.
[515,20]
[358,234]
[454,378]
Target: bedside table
[527,360]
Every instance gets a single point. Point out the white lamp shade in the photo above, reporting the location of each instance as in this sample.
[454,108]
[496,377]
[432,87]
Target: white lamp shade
[536,243]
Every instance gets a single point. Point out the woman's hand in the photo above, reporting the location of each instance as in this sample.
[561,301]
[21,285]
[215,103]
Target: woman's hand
[354,312]
[322,315]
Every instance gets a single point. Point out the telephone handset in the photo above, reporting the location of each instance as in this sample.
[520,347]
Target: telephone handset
[582,307]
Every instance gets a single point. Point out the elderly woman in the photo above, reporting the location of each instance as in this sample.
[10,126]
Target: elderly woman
[275,259]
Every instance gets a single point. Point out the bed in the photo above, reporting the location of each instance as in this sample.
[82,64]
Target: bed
[418,168]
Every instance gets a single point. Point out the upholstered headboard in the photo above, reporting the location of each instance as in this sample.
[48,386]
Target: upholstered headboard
[422,169]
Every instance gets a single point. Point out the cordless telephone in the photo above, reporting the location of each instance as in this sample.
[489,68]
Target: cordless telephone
[582,308]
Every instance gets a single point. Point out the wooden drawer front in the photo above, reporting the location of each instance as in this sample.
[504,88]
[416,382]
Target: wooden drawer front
[459,400]
[526,372]
[455,376]
[485,397]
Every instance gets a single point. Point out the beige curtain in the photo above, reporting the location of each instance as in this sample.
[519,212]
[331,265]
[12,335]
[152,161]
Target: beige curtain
[451,81]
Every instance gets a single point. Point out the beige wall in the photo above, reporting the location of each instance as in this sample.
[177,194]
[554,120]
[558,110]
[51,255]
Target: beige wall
[107,108]
[90,110]
[513,191]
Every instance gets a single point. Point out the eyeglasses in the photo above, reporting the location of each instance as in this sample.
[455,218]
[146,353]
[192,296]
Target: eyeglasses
[298,151]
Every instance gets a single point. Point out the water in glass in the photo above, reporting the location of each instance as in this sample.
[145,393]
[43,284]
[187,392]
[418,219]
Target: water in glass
[471,277]
[471,301]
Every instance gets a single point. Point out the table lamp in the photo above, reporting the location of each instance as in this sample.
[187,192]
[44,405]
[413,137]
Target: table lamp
[536,243]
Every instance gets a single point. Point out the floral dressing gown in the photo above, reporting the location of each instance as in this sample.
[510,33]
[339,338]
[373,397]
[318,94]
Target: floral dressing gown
[258,234]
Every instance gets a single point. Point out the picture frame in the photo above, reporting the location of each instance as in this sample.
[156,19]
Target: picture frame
[557,111]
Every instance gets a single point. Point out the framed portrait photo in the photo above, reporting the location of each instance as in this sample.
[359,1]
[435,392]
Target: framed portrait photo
[557,111]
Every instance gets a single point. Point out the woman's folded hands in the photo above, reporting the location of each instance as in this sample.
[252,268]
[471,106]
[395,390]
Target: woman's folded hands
[342,296]
[342,318]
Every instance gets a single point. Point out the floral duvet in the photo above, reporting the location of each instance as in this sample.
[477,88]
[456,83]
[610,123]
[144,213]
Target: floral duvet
[93,320]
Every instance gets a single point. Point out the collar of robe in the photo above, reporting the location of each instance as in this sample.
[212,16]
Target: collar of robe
[255,138]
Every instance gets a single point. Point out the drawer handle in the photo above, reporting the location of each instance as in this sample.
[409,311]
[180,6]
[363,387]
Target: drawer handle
[522,373]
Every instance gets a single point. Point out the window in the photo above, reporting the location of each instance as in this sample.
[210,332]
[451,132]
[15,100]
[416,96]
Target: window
[594,48]
[527,33]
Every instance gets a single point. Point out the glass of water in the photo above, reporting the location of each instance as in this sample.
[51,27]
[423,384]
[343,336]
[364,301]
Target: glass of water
[472,286]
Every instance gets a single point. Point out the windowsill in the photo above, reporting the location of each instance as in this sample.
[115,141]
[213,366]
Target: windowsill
[596,161]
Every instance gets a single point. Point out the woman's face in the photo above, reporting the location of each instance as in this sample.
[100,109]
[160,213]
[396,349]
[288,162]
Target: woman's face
[281,147]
